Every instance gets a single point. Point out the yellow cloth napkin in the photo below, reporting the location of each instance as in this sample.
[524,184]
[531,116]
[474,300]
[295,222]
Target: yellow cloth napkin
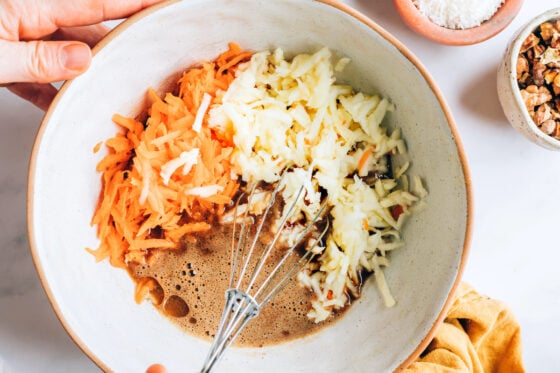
[479,335]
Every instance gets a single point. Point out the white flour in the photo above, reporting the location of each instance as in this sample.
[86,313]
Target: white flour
[458,14]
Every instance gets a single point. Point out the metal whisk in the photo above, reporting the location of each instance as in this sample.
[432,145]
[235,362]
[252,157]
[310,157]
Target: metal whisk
[245,297]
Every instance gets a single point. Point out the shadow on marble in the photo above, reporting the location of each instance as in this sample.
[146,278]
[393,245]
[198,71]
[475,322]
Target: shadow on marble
[480,98]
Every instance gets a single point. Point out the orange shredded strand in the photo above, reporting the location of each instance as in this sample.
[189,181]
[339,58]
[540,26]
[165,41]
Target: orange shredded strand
[363,160]
[97,147]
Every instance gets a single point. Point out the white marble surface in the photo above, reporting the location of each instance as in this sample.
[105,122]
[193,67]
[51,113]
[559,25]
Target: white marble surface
[514,252]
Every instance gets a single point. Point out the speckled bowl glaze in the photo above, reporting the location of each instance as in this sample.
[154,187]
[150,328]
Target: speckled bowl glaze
[95,302]
[421,24]
[508,89]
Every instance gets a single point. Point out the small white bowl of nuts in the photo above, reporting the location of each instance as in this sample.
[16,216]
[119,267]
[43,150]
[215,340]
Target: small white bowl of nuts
[529,80]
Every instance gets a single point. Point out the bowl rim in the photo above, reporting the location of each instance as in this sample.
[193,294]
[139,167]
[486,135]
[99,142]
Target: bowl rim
[512,54]
[348,10]
[420,23]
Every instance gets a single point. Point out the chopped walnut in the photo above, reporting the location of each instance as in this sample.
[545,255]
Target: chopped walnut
[555,41]
[522,68]
[556,35]
[556,132]
[538,76]
[548,126]
[542,114]
[535,96]
[538,51]
[550,56]
[547,31]
[538,73]
[550,75]
[556,85]
[529,42]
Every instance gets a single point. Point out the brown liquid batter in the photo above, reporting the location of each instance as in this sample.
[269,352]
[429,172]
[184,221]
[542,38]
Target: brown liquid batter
[194,280]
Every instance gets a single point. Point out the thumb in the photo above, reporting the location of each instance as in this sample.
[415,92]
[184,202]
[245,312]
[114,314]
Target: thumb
[42,61]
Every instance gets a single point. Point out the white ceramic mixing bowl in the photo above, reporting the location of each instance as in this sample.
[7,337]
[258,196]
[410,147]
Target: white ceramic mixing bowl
[95,301]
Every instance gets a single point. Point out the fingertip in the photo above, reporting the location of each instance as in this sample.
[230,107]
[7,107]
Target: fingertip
[75,57]
[156,368]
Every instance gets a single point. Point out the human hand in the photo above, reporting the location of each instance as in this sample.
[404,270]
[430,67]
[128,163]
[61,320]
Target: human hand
[45,41]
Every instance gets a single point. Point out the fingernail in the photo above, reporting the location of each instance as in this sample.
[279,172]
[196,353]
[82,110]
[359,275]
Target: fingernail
[76,56]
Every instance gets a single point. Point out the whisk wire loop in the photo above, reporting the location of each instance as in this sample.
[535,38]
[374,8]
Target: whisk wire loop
[259,230]
[302,262]
[244,299]
[271,245]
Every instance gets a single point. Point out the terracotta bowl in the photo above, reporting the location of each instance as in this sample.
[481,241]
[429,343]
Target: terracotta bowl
[508,88]
[95,301]
[421,24]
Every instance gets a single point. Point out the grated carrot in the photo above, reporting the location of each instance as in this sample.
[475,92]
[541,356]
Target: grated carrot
[97,147]
[363,160]
[145,203]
